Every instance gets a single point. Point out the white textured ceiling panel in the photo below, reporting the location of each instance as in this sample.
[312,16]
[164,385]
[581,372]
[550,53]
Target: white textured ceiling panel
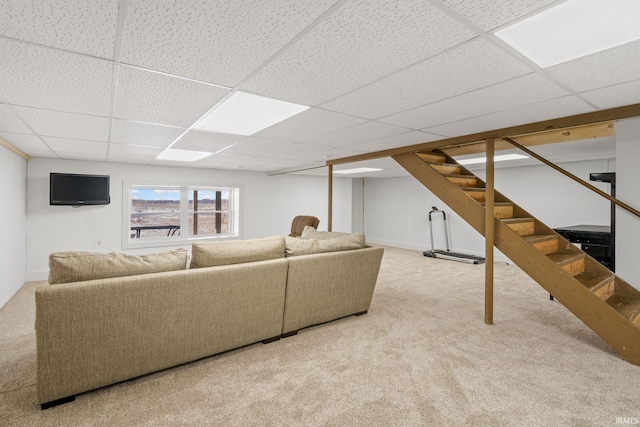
[9,122]
[82,26]
[136,133]
[256,147]
[599,70]
[212,41]
[311,153]
[228,161]
[354,135]
[467,67]
[511,94]
[489,15]
[206,141]
[545,110]
[47,78]
[362,41]
[24,142]
[65,125]
[394,141]
[135,151]
[157,98]
[121,80]
[615,96]
[309,124]
[77,146]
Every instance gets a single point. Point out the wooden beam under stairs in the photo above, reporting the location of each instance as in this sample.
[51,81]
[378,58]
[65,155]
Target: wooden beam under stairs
[603,301]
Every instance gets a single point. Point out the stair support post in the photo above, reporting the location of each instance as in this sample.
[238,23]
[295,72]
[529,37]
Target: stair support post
[489,233]
[330,201]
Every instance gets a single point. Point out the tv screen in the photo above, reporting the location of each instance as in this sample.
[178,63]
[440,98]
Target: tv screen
[67,189]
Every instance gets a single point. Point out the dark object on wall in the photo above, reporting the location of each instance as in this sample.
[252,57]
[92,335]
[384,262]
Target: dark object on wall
[67,189]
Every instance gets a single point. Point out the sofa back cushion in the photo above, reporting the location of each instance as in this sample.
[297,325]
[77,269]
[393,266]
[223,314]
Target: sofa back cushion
[312,233]
[298,246]
[65,267]
[236,251]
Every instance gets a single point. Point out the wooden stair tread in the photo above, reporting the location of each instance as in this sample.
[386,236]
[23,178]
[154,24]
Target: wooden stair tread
[498,203]
[562,258]
[538,238]
[627,305]
[516,220]
[452,175]
[594,280]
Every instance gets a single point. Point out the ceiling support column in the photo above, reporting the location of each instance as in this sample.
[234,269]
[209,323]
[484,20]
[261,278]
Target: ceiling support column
[330,201]
[489,234]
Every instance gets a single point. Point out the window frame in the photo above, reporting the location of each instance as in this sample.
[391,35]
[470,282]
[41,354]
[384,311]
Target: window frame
[235,217]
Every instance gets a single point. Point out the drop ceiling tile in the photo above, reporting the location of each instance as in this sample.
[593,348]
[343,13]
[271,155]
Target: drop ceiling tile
[551,109]
[130,160]
[134,151]
[465,68]
[310,153]
[256,146]
[227,161]
[357,134]
[9,122]
[360,42]
[394,141]
[147,134]
[309,124]
[47,154]
[206,141]
[37,76]
[489,15]
[84,156]
[615,96]
[75,25]
[511,94]
[75,146]
[209,41]
[157,98]
[65,125]
[24,142]
[599,70]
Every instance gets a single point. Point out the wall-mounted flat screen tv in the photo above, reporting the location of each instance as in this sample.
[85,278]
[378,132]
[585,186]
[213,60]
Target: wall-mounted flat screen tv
[68,189]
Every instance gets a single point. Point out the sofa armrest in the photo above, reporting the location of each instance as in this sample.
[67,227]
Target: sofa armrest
[327,286]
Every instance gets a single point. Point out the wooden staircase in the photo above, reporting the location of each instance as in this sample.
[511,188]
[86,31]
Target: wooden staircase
[604,302]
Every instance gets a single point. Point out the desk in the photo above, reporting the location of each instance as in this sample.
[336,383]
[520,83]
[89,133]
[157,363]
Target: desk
[595,240]
[171,229]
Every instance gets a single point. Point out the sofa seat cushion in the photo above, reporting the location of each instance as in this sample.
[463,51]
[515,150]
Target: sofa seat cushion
[312,233]
[236,251]
[66,267]
[298,246]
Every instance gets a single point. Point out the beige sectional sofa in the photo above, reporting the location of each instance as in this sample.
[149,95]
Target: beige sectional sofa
[152,312]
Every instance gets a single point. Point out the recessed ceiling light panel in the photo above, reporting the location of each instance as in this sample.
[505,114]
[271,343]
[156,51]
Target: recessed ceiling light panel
[182,155]
[245,114]
[574,29]
[500,158]
[357,170]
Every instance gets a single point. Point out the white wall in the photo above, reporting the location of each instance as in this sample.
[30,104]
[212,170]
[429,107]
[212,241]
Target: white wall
[628,225]
[13,220]
[269,203]
[396,208]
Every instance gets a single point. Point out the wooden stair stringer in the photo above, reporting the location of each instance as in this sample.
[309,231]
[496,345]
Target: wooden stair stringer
[615,329]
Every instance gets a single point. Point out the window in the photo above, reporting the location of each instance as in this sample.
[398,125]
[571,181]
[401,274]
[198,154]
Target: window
[157,215]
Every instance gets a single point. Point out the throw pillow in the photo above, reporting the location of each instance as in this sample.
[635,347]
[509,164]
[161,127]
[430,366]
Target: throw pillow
[297,246]
[311,233]
[236,251]
[66,267]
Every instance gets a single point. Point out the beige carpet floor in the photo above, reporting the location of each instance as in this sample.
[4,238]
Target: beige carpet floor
[422,356]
